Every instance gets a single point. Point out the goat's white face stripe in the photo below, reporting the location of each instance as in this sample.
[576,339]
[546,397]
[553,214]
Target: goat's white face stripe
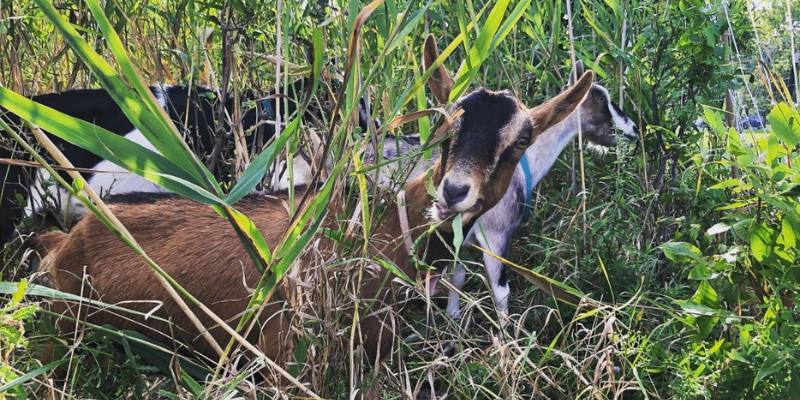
[621,122]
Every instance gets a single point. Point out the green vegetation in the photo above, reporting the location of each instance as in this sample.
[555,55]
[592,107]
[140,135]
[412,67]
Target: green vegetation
[687,241]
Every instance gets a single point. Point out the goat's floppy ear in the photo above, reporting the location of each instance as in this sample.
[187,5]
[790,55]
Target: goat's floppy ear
[577,70]
[556,109]
[440,82]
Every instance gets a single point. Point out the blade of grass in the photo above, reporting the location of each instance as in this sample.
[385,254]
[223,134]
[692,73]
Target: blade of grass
[557,289]
[141,109]
[481,49]
[108,145]
[258,167]
[22,379]
[153,123]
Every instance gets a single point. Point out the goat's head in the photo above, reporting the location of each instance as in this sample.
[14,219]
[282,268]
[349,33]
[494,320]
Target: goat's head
[488,140]
[599,115]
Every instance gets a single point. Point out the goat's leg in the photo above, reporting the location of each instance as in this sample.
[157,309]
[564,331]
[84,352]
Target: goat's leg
[453,299]
[498,276]
[498,280]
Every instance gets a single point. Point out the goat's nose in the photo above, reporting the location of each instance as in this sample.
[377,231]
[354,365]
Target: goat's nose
[454,194]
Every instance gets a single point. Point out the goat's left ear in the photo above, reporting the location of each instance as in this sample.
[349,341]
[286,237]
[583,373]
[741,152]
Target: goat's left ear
[440,82]
[556,109]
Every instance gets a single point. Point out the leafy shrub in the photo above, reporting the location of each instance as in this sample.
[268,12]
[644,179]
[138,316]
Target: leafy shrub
[743,315]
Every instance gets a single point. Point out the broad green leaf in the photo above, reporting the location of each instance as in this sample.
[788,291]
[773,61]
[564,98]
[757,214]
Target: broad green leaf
[744,154]
[24,312]
[16,298]
[510,22]
[717,346]
[140,108]
[788,237]
[706,295]
[697,309]
[771,365]
[714,120]
[363,195]
[589,16]
[732,206]
[252,236]
[458,233]
[392,267]
[681,252]
[785,123]
[318,46]
[701,271]
[615,7]
[703,309]
[397,37]
[727,184]
[761,241]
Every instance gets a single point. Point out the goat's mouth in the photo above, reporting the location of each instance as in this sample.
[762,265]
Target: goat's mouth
[631,136]
[440,212]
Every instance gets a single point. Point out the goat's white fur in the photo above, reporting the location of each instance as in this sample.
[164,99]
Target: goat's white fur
[112,180]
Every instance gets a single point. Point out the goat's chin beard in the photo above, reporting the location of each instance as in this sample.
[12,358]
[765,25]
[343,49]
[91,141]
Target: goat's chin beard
[438,213]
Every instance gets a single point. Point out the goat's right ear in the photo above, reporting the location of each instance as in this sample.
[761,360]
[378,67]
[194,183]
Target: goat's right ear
[556,109]
[577,70]
[440,82]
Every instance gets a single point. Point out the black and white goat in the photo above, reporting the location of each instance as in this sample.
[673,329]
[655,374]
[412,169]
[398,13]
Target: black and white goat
[597,117]
[195,112]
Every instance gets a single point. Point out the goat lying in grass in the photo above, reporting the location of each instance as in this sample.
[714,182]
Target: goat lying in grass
[196,113]
[597,116]
[201,252]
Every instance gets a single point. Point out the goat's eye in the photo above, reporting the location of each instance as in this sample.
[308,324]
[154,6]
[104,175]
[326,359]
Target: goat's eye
[522,143]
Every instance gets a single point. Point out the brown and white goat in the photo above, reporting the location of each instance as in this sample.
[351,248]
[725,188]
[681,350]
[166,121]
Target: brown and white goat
[203,254]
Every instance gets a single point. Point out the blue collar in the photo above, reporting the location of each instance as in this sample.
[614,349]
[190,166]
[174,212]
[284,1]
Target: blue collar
[266,107]
[526,171]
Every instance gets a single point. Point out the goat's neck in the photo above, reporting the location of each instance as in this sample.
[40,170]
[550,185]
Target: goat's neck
[545,149]
[417,203]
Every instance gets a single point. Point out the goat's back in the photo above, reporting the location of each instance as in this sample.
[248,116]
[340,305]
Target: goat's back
[196,247]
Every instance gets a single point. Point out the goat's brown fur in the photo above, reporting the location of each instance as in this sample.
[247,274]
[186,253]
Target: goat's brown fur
[203,254]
